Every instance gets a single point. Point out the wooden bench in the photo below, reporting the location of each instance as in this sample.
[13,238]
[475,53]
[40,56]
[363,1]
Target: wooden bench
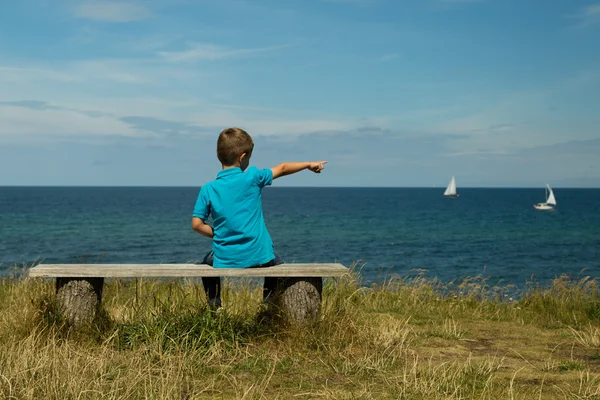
[79,286]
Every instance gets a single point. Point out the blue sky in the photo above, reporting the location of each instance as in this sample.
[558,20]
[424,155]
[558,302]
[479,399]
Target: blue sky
[392,93]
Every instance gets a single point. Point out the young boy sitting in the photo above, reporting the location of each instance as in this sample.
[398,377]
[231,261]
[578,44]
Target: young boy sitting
[233,199]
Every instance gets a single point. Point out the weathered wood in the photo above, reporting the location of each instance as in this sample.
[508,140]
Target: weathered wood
[298,300]
[182,270]
[138,291]
[79,298]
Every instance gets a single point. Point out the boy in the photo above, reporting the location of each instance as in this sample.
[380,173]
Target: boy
[233,199]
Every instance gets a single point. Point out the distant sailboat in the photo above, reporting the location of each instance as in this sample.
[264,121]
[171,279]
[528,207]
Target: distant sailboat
[451,189]
[550,200]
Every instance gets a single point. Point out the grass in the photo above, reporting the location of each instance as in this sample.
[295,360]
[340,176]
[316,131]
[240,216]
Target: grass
[404,339]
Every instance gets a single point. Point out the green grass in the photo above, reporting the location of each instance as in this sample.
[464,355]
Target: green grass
[407,339]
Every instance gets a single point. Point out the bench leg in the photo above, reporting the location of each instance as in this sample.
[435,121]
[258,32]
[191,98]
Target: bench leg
[79,298]
[298,300]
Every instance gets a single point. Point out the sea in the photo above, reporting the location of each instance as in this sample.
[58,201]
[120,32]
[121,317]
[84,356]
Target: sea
[386,232]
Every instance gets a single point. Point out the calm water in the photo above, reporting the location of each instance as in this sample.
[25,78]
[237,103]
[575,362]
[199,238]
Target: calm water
[394,231]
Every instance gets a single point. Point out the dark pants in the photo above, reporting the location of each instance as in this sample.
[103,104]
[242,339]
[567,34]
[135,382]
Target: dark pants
[212,285]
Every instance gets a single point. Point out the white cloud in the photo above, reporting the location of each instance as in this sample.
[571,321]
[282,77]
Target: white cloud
[112,11]
[284,127]
[477,153]
[26,74]
[36,81]
[583,79]
[19,121]
[355,2]
[515,106]
[459,1]
[93,117]
[389,56]
[589,15]
[213,52]
[121,71]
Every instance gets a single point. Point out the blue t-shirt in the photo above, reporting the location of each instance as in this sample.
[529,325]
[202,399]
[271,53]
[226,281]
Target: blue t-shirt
[234,201]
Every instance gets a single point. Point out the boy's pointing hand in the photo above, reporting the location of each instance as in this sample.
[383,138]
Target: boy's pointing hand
[317,166]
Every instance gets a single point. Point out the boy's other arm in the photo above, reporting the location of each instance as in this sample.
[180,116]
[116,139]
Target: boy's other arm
[205,230]
[288,168]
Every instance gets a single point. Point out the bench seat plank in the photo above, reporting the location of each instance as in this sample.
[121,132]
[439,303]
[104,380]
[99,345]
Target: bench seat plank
[181,270]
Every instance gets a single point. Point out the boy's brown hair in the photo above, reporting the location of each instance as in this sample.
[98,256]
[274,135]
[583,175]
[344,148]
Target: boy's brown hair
[232,143]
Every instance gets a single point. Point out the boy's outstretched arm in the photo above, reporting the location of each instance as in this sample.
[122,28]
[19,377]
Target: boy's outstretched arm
[288,168]
[205,230]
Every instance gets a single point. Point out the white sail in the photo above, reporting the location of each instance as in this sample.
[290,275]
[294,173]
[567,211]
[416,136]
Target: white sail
[551,200]
[451,189]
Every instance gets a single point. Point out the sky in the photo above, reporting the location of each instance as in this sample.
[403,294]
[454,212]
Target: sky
[499,93]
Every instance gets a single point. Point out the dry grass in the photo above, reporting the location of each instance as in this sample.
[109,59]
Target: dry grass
[588,337]
[415,339]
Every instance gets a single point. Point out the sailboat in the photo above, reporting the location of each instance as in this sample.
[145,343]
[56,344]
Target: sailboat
[550,200]
[451,189]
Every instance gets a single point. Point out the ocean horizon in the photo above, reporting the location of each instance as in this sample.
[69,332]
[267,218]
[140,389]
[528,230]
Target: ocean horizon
[442,187]
[389,231]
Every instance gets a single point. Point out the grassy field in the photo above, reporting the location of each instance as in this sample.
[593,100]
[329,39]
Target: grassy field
[413,339]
